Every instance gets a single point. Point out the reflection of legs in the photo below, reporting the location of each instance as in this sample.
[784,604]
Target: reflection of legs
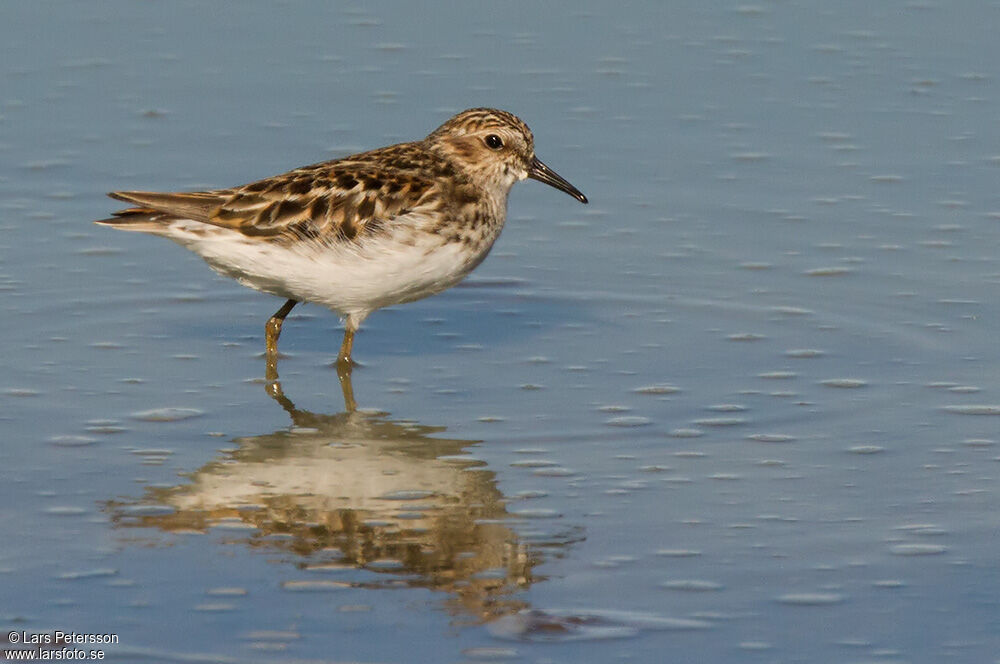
[344,362]
[350,405]
[271,333]
[273,389]
[344,357]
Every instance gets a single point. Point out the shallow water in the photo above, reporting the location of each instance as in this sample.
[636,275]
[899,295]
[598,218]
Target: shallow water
[745,406]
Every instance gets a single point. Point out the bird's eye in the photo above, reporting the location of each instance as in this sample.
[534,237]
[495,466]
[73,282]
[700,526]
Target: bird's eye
[494,142]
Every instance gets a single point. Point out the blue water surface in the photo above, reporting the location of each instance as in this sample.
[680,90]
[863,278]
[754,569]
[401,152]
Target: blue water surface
[743,407]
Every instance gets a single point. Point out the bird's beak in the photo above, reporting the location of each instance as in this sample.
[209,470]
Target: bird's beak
[543,173]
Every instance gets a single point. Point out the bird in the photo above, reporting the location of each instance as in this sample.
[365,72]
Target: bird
[374,229]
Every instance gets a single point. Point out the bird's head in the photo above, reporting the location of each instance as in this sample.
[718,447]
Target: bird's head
[495,149]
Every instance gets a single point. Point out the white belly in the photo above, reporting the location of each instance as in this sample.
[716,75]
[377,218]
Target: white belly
[347,277]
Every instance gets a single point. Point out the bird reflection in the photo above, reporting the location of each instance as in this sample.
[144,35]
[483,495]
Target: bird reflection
[358,490]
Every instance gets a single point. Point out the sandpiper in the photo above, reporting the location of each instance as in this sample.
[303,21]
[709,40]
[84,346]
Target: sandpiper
[356,234]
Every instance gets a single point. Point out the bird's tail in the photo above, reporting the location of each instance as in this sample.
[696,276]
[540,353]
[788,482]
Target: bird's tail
[142,219]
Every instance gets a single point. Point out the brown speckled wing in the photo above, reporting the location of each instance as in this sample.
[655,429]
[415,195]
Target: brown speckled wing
[343,200]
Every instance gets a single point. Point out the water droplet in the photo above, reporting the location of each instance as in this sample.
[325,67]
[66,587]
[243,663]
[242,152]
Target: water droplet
[917,549]
[829,271]
[88,574]
[167,414]
[778,375]
[721,421]
[844,383]
[153,452]
[20,392]
[628,421]
[215,607]
[745,336]
[536,513]
[804,353]
[755,645]
[811,599]
[678,553]
[727,408]
[314,586]
[691,585]
[554,472]
[980,409]
[750,156]
[657,389]
[72,441]
[865,449]
[771,438]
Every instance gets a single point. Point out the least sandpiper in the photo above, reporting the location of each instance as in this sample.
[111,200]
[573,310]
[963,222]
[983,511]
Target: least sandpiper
[356,234]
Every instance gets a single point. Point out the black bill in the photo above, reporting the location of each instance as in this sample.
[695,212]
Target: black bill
[543,173]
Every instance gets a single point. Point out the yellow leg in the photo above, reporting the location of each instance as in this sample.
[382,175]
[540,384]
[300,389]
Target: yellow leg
[272,330]
[351,324]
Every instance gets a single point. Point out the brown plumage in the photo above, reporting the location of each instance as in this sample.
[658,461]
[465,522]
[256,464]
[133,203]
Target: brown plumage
[334,200]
